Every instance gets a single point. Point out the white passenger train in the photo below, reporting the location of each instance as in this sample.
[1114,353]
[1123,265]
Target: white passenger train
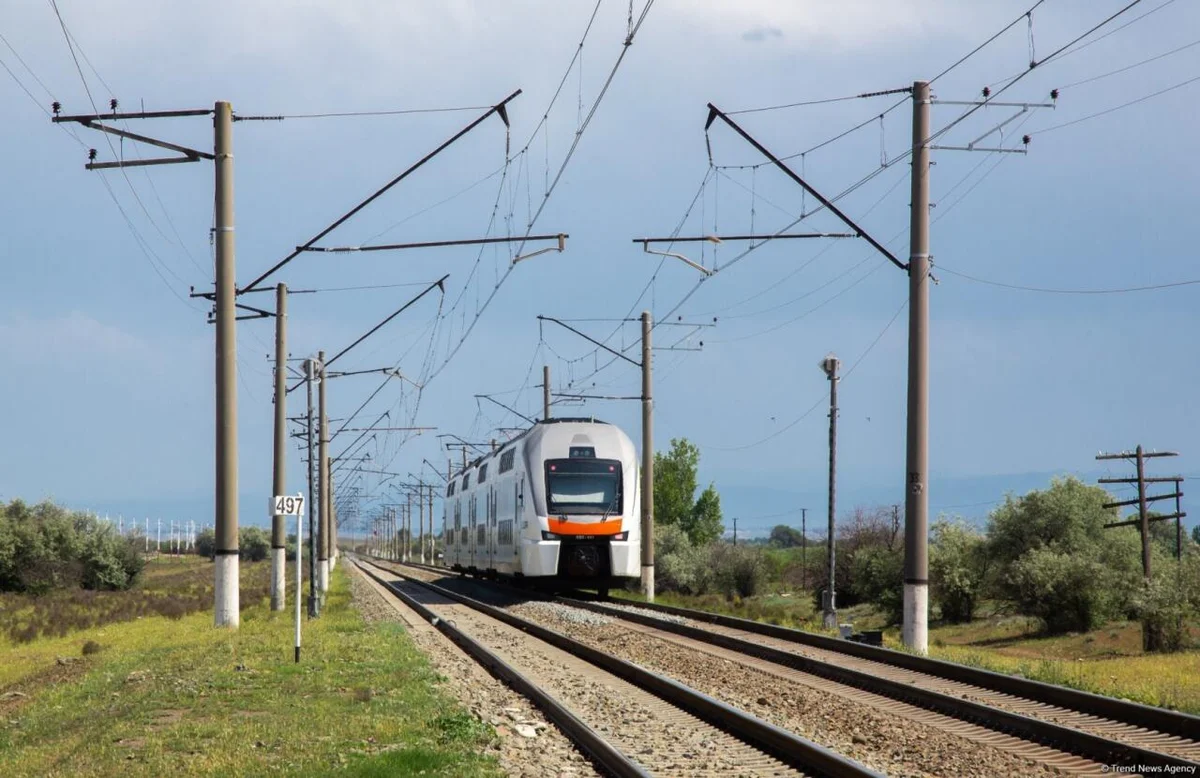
[560,503]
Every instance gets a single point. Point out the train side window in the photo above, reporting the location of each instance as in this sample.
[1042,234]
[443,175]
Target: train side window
[482,474]
[466,481]
[506,460]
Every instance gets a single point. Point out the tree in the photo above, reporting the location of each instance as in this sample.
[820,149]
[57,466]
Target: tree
[675,482]
[704,525]
[1196,534]
[958,567]
[675,501]
[1054,559]
[783,536]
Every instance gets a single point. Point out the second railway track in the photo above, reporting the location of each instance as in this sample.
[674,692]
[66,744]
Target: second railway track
[1059,736]
[637,723]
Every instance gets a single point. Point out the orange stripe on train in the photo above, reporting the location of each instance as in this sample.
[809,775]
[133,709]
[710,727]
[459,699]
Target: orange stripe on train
[563,527]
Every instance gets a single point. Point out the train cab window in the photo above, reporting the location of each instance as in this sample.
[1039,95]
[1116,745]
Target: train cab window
[482,474]
[584,486]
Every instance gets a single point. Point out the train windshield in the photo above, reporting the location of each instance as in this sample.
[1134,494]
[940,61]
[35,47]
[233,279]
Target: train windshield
[583,486]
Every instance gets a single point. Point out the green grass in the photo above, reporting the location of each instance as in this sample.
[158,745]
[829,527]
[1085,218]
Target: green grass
[171,697]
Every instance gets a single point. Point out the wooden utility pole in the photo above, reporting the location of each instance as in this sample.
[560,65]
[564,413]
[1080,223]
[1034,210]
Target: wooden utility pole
[804,547]
[1150,638]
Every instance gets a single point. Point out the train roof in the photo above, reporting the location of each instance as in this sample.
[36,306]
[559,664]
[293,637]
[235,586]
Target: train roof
[500,449]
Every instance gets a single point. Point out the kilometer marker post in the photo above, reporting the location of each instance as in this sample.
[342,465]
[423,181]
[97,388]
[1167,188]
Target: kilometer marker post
[289,505]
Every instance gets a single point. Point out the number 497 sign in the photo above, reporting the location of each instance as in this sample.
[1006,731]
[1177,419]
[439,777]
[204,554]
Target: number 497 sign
[287,505]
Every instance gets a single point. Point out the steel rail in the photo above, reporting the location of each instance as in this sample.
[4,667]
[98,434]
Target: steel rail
[789,748]
[602,753]
[1085,744]
[1082,743]
[1160,719]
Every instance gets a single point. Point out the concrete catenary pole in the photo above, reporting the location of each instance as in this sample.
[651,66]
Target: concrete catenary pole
[278,475]
[323,480]
[225,581]
[647,462]
[829,620]
[406,550]
[313,603]
[421,522]
[545,391]
[915,629]
[432,544]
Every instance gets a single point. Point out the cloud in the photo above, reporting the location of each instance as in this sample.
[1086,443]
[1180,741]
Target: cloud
[760,33]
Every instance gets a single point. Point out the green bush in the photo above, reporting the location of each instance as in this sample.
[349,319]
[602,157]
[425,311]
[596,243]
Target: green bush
[878,578]
[254,543]
[679,566]
[958,567]
[1169,603]
[736,570]
[206,543]
[47,547]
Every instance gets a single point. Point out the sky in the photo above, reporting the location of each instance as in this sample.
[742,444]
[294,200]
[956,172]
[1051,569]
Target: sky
[108,363]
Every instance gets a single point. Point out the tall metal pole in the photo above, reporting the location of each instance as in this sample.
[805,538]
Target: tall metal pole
[323,480]
[915,629]
[406,551]
[421,522]
[279,477]
[225,575]
[804,547]
[647,463]
[545,391]
[432,544]
[313,605]
[831,364]
[735,530]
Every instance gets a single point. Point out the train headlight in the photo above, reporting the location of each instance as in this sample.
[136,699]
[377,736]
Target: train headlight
[550,536]
[621,536]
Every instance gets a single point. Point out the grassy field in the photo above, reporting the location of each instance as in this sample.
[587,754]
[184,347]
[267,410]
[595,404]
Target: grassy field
[1107,661]
[176,696]
[169,586]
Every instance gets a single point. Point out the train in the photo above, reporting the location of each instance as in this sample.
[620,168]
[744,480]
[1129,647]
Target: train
[558,505]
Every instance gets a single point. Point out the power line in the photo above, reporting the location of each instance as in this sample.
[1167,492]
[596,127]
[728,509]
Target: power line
[1107,111]
[334,115]
[1131,67]
[1045,290]
[861,96]
[987,42]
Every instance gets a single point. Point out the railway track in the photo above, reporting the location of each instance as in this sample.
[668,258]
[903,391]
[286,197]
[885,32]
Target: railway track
[1031,718]
[628,720]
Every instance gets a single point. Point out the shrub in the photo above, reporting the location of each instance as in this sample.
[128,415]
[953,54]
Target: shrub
[47,547]
[736,570]
[254,543]
[206,543]
[878,578]
[958,567]
[680,566]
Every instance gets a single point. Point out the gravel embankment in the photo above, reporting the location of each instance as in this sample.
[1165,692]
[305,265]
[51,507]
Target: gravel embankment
[887,742]
[527,745]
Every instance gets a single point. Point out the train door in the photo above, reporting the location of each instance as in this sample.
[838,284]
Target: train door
[471,529]
[491,530]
